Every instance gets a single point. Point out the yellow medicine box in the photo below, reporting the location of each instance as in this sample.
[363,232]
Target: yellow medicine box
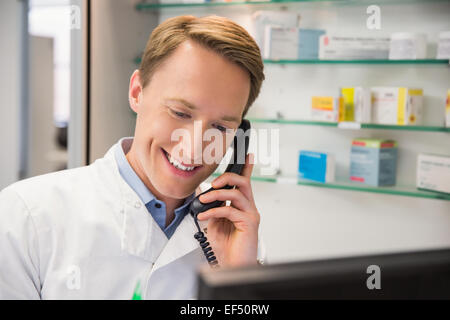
[325,108]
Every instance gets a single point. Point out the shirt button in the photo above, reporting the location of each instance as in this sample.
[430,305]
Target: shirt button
[137,205]
[158,205]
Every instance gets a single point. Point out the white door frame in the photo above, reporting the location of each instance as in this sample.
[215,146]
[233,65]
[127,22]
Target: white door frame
[78,132]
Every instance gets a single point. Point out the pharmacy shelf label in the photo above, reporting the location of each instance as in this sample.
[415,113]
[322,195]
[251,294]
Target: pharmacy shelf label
[287,180]
[349,125]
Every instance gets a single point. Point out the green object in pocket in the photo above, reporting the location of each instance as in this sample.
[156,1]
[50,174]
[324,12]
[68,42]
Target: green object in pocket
[137,292]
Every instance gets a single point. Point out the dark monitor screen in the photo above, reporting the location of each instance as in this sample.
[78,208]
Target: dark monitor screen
[406,275]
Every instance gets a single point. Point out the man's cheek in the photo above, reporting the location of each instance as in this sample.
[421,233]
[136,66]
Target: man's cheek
[210,169]
[145,148]
[160,120]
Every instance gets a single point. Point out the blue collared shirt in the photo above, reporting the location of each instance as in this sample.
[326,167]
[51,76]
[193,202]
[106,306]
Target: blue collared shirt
[154,206]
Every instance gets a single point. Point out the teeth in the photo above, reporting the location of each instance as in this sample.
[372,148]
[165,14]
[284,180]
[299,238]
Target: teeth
[178,165]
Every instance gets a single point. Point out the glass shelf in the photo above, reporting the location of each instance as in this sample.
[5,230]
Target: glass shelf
[156,6]
[409,191]
[137,60]
[414,62]
[351,125]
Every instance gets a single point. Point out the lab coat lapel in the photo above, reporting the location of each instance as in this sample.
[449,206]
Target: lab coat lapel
[140,234]
[142,237]
[181,243]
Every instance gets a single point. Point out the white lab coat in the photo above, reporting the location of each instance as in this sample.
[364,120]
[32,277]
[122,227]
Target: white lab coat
[85,234]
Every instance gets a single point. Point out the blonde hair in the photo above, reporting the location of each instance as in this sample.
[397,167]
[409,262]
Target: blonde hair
[219,34]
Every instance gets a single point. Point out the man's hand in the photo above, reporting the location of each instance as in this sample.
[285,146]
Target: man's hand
[233,230]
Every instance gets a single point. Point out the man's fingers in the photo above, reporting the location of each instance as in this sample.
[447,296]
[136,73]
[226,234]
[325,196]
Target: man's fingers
[240,221]
[227,212]
[233,179]
[249,164]
[236,197]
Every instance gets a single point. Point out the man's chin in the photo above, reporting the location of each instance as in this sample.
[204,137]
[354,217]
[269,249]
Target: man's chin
[174,192]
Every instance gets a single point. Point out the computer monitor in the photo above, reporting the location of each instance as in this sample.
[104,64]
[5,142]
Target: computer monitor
[406,275]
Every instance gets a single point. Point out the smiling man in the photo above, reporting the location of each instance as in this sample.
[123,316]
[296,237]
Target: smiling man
[95,232]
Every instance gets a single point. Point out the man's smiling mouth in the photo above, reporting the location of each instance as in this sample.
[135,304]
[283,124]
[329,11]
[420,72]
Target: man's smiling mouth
[178,165]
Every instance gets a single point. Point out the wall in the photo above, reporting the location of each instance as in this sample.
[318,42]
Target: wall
[10,90]
[77,131]
[43,143]
[116,29]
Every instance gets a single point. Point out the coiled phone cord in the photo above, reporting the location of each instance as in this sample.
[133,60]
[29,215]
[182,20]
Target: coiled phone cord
[204,244]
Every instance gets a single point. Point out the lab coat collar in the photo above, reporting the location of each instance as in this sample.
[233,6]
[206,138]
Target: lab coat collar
[140,234]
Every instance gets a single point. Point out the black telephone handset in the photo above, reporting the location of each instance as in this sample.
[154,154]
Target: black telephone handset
[240,147]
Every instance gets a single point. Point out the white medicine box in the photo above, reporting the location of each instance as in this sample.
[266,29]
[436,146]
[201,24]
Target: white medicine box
[433,172]
[397,105]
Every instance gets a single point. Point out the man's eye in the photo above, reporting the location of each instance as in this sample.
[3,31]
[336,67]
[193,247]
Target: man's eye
[221,128]
[181,114]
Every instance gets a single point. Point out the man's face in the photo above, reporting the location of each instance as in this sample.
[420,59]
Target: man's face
[193,85]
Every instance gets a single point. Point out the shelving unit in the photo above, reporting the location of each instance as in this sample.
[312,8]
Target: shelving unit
[438,62]
[423,64]
[350,125]
[342,184]
[345,184]
[376,62]
[157,6]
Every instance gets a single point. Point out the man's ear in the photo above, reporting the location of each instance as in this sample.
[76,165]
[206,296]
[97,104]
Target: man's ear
[135,91]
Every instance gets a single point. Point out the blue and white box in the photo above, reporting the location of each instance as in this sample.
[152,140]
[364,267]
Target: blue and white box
[316,166]
[308,44]
[282,43]
[373,162]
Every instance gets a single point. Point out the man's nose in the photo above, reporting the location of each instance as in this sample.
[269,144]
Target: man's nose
[194,150]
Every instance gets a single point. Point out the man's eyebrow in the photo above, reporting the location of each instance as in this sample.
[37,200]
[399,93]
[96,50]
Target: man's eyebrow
[193,107]
[232,119]
[182,101]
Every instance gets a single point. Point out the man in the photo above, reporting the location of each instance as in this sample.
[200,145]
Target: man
[98,231]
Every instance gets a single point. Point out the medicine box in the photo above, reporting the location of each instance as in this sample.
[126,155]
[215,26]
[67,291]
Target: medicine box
[408,46]
[316,166]
[308,44]
[325,108]
[443,51]
[397,105]
[433,172]
[334,47]
[283,43]
[263,18]
[356,105]
[373,162]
